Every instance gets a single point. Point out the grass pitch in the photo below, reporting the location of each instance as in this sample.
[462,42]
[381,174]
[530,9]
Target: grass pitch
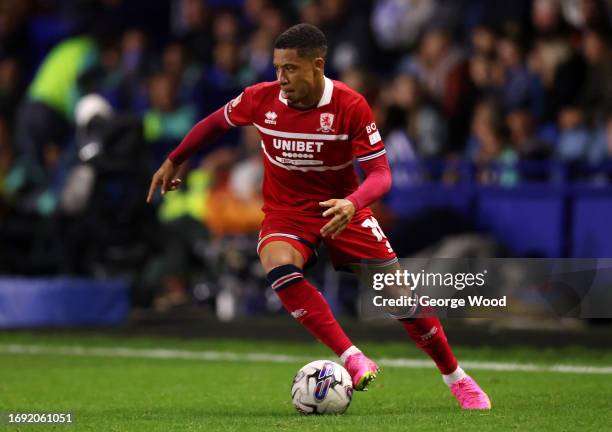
[135,389]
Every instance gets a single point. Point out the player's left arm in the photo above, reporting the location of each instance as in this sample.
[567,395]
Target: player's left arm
[370,152]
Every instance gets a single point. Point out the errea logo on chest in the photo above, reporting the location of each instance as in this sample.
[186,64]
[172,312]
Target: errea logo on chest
[271,117]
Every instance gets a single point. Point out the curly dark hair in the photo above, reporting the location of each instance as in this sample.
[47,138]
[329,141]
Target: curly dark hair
[307,39]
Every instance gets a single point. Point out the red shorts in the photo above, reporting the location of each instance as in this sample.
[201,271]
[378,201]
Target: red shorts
[361,242]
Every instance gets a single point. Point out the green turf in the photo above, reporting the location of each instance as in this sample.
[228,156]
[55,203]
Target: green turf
[131,394]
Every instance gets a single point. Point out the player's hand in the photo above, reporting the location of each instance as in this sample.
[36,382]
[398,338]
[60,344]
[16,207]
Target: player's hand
[342,211]
[166,177]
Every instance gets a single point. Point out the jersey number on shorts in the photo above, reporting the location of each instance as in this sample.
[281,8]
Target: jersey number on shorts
[372,223]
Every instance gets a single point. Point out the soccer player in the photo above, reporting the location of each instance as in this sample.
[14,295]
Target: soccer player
[311,130]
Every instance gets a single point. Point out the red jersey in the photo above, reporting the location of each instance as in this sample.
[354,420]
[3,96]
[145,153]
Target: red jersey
[308,154]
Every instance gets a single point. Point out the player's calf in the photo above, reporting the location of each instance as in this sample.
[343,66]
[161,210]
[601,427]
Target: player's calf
[308,306]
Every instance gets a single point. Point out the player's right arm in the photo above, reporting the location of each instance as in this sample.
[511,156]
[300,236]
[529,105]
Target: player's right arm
[236,112]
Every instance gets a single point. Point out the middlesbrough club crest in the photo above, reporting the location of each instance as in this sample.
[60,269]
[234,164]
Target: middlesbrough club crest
[326,121]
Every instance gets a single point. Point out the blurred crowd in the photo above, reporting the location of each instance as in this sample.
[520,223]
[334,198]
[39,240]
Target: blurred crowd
[95,93]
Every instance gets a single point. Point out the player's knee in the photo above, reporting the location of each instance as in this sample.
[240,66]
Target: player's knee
[274,256]
[272,261]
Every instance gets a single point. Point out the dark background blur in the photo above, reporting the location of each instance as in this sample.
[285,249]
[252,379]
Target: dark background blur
[496,118]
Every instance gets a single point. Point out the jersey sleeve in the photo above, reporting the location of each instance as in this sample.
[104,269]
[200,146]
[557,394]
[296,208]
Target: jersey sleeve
[238,111]
[367,144]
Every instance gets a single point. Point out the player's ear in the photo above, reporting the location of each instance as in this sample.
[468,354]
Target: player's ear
[318,63]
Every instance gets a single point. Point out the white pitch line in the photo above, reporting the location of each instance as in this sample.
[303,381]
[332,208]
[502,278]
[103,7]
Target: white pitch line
[172,354]
[501,366]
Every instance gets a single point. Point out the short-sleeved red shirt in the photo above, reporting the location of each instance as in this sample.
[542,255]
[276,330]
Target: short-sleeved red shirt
[308,154]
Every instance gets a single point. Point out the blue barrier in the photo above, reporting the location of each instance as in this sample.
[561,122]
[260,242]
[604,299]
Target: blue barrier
[62,302]
[417,199]
[529,220]
[591,228]
[546,220]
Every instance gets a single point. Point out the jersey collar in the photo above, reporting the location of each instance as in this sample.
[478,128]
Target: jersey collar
[325,98]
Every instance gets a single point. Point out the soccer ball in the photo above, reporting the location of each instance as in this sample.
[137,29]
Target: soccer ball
[322,387]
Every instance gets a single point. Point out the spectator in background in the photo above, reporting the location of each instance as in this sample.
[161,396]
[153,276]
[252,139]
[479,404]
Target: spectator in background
[444,74]
[177,64]
[135,57]
[527,145]
[486,76]
[600,155]
[10,87]
[546,18]
[416,118]
[596,92]
[601,148]
[483,41]
[391,117]
[235,201]
[348,44]
[191,22]
[105,78]
[559,65]
[560,69]
[166,121]
[264,23]
[259,56]
[272,21]
[436,63]
[44,118]
[225,27]
[253,11]
[226,77]
[532,152]
[363,81]
[135,64]
[310,13]
[520,87]
[582,14]
[469,14]
[574,138]
[492,154]
[397,24]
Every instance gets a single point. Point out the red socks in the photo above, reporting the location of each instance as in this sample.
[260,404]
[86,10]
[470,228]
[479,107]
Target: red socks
[307,305]
[429,335]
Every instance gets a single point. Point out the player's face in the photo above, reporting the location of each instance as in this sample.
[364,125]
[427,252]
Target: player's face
[298,76]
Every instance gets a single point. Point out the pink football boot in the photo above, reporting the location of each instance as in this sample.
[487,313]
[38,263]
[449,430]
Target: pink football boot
[362,370]
[470,395]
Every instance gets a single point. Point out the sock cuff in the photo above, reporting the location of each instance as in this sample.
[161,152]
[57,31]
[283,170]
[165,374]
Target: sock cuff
[455,376]
[349,352]
[284,276]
